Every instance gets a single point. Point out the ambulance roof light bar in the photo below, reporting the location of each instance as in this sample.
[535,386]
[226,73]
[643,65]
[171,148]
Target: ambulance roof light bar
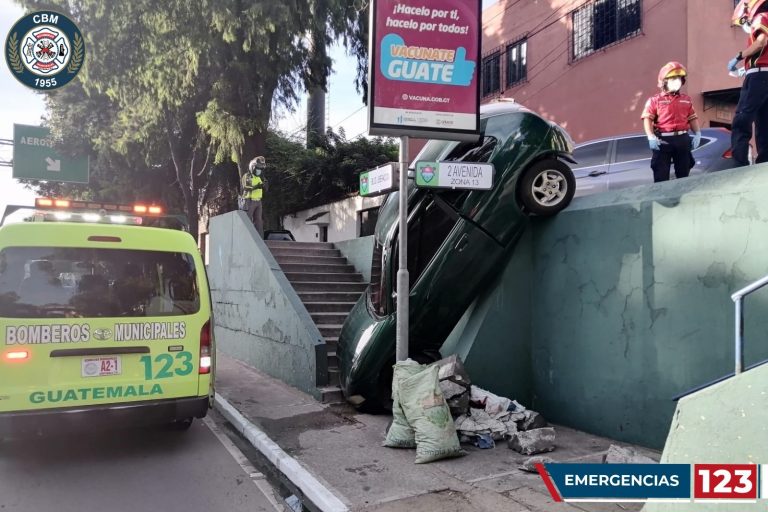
[66,204]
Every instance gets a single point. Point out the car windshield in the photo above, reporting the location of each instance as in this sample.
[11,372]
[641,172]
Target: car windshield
[63,282]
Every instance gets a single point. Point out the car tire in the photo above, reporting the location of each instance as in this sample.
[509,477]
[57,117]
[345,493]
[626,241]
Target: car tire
[546,188]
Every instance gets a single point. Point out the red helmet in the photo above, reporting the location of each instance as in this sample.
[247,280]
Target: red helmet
[671,70]
[745,11]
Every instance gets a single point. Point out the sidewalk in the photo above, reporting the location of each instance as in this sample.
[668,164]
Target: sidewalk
[342,449]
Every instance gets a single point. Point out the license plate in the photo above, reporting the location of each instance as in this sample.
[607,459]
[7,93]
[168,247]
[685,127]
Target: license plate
[101,366]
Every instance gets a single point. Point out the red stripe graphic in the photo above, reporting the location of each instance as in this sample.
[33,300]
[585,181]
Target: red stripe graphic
[548,482]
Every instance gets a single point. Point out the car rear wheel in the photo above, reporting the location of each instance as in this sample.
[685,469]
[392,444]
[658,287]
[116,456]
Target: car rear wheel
[547,187]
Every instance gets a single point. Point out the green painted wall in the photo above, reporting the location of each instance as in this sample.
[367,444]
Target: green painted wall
[725,423]
[359,252]
[629,297]
[258,318]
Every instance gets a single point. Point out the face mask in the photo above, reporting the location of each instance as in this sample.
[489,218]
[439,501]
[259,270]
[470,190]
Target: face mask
[258,172]
[674,84]
[746,28]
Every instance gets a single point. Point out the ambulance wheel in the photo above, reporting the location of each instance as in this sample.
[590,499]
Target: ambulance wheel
[181,425]
[546,187]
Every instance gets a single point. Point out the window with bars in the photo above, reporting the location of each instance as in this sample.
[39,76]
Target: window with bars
[602,23]
[517,62]
[491,68]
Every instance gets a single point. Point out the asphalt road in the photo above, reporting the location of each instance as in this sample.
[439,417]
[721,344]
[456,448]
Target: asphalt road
[150,469]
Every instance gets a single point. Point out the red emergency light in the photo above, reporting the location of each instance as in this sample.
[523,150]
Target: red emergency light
[69,205]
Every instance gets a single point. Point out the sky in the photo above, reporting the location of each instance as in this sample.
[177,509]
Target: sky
[21,105]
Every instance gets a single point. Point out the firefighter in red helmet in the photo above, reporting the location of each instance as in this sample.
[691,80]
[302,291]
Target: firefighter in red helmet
[666,118]
[752,16]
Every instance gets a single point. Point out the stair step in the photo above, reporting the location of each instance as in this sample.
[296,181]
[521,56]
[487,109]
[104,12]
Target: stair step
[331,395]
[315,286]
[311,260]
[297,251]
[333,376]
[283,244]
[320,297]
[343,268]
[332,344]
[333,360]
[329,318]
[329,307]
[317,277]
[330,330]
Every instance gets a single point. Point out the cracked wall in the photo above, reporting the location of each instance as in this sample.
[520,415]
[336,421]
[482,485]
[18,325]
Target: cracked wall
[629,296]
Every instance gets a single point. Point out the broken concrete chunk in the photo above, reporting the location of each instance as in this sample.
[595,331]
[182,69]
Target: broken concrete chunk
[530,464]
[451,368]
[532,420]
[534,441]
[622,455]
[450,389]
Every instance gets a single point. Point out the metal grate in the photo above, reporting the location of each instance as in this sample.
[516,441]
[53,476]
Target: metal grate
[517,62]
[491,78]
[603,23]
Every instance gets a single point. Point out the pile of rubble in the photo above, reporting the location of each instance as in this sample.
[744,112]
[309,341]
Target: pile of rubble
[483,419]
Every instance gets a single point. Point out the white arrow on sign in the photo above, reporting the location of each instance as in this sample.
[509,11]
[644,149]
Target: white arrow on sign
[53,165]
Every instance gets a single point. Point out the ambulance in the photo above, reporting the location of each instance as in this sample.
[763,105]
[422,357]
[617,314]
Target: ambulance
[105,312]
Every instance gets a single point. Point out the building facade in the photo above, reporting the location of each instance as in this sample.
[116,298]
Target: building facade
[590,65]
[350,218]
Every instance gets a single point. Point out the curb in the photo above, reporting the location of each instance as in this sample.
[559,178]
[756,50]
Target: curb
[316,492]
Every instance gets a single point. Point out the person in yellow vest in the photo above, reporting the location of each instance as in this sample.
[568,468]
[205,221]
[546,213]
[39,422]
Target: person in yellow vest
[253,191]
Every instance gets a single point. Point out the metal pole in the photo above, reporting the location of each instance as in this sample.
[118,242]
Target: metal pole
[739,343]
[401,337]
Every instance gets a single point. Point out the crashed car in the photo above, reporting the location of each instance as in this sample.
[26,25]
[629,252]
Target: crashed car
[457,242]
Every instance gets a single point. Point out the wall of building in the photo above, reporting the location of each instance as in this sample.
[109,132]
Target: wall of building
[629,295]
[343,219]
[259,319]
[359,253]
[604,93]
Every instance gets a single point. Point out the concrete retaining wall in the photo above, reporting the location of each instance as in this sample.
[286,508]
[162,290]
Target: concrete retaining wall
[259,319]
[628,303]
[359,252]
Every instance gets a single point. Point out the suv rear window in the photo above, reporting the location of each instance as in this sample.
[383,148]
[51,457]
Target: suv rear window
[73,282]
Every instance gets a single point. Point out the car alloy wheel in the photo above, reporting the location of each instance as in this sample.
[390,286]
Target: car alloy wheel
[546,187]
[549,188]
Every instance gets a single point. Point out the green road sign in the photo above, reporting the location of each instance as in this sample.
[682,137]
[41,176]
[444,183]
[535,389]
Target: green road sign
[381,180]
[35,159]
[455,175]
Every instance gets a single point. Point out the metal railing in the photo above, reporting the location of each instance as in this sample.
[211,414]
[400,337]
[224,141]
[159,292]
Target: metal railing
[738,299]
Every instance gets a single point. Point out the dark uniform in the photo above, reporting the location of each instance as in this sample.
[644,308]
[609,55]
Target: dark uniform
[753,102]
[671,113]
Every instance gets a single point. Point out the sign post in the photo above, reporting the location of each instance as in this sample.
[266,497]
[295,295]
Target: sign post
[423,82]
[34,158]
[455,175]
[381,180]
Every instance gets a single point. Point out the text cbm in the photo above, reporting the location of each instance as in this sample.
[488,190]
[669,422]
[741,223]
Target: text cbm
[46,18]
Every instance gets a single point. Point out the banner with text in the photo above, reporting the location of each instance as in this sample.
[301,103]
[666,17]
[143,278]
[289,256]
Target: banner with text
[424,79]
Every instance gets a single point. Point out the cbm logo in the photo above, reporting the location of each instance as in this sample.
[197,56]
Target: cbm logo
[44,50]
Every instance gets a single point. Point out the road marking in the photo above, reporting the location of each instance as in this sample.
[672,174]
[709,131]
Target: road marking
[256,476]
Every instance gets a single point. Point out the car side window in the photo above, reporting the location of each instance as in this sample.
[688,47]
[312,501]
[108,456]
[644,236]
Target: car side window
[591,154]
[632,148]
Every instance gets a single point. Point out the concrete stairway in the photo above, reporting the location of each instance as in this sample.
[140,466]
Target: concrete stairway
[329,287]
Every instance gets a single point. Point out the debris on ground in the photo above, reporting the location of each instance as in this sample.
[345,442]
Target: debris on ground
[455,384]
[622,455]
[532,421]
[484,442]
[531,442]
[530,464]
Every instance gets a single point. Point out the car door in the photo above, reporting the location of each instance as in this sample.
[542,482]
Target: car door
[631,163]
[591,169]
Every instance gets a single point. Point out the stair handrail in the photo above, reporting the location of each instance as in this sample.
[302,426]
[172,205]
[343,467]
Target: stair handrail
[738,299]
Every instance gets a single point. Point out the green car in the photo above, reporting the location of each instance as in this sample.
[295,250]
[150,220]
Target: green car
[457,242]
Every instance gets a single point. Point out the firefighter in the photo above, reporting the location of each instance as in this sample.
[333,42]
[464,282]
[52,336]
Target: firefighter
[666,118]
[253,192]
[752,16]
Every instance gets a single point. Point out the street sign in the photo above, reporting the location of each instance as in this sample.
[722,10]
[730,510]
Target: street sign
[34,158]
[455,175]
[380,180]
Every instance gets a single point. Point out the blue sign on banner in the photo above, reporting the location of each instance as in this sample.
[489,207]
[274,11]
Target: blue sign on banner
[621,481]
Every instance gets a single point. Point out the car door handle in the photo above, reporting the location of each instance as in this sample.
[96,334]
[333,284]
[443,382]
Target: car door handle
[462,243]
[596,173]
